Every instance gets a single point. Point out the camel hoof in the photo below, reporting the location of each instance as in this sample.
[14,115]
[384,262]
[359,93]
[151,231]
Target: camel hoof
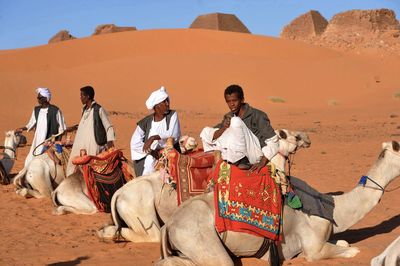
[108,232]
[351,252]
[23,192]
[58,211]
[343,243]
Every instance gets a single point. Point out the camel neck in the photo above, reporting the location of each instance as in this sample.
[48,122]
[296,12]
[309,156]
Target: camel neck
[351,207]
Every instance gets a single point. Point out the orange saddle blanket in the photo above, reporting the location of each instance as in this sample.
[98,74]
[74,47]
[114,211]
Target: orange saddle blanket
[104,174]
[247,202]
[190,172]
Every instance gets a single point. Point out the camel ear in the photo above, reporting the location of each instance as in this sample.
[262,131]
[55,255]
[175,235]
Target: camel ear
[282,134]
[395,146]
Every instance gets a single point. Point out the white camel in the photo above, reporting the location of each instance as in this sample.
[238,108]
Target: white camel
[71,196]
[390,256]
[144,203]
[191,231]
[11,142]
[39,178]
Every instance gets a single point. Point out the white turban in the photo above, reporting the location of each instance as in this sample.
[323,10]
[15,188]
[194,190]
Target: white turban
[45,92]
[156,97]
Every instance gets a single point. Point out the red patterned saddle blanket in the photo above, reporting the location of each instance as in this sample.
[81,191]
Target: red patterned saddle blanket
[190,172]
[247,202]
[104,174]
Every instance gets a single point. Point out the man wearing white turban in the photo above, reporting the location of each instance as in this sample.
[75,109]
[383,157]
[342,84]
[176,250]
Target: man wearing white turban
[152,132]
[47,119]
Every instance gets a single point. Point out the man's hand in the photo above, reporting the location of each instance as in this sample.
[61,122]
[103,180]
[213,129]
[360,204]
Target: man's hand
[71,129]
[149,141]
[110,144]
[227,122]
[257,167]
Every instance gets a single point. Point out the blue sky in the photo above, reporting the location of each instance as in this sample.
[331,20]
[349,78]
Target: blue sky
[25,23]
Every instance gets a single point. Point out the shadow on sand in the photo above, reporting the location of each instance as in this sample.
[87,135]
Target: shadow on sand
[355,235]
[70,262]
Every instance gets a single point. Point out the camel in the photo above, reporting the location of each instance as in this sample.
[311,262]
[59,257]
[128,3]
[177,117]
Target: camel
[39,178]
[71,196]
[142,204]
[11,142]
[390,256]
[189,236]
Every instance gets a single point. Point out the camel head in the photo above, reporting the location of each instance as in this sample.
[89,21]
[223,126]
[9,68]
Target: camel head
[14,139]
[187,144]
[389,159]
[290,141]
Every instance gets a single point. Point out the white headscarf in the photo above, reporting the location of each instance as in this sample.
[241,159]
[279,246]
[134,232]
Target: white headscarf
[45,92]
[156,97]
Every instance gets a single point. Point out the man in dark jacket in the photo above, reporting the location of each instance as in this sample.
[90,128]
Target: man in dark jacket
[46,119]
[95,131]
[245,135]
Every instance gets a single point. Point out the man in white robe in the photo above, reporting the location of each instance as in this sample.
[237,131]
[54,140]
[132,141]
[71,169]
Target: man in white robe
[152,132]
[95,132]
[245,136]
[47,119]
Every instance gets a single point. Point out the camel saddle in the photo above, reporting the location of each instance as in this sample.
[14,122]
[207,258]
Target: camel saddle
[187,173]
[104,174]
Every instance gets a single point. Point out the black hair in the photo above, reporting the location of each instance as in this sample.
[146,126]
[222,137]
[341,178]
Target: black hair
[88,91]
[234,89]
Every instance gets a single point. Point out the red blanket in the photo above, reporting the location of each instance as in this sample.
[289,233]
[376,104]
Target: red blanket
[190,172]
[247,202]
[104,174]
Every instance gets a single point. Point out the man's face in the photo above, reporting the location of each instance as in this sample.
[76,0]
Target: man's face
[162,107]
[234,102]
[84,98]
[41,99]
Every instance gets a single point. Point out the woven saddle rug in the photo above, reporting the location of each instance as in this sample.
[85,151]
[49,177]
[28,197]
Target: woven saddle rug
[247,202]
[189,172]
[104,174]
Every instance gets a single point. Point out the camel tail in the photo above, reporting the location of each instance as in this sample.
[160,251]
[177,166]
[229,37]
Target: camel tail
[166,250]
[19,179]
[114,212]
[54,198]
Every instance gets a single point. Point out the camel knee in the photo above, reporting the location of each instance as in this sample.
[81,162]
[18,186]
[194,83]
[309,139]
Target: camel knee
[342,243]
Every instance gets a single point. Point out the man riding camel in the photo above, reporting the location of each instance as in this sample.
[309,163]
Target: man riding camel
[153,131]
[48,121]
[95,132]
[245,135]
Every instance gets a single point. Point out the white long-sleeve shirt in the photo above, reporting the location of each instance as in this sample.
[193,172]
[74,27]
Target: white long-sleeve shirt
[41,129]
[157,128]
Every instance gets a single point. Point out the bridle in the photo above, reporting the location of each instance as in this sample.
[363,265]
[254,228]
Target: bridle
[364,178]
[290,156]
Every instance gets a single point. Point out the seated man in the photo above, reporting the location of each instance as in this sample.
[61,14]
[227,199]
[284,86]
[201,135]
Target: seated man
[245,134]
[152,132]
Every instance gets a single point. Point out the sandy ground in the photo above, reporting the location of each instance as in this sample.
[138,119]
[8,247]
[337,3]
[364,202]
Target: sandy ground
[345,102]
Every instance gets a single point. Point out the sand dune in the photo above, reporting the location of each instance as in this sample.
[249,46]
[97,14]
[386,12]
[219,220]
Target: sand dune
[346,102]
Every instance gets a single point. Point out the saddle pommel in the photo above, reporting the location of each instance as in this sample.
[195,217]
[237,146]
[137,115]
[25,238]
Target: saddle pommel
[170,143]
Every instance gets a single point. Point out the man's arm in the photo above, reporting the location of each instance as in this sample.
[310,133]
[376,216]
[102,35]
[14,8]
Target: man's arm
[30,125]
[226,122]
[108,127]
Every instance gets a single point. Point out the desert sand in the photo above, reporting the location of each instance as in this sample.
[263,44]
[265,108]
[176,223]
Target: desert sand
[348,103]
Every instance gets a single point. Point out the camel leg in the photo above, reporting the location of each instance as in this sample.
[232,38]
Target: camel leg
[28,193]
[330,251]
[69,197]
[200,244]
[138,212]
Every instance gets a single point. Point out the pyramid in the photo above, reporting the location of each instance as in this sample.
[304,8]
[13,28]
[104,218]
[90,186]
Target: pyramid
[219,21]
[110,28]
[310,24]
[62,35]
